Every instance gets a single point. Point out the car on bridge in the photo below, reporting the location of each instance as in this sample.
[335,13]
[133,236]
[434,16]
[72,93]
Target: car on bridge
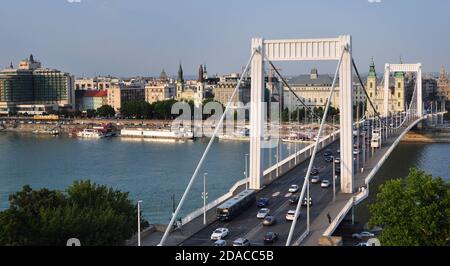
[294,188]
[315,180]
[220,243]
[262,202]
[241,242]
[294,199]
[329,159]
[269,220]
[337,169]
[337,160]
[314,171]
[262,213]
[328,153]
[290,215]
[219,233]
[270,237]
[325,184]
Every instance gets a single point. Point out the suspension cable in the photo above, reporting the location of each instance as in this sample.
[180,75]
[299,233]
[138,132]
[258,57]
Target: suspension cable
[293,92]
[365,92]
[205,153]
[371,103]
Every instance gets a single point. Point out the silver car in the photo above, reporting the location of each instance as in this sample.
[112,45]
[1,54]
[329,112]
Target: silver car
[241,242]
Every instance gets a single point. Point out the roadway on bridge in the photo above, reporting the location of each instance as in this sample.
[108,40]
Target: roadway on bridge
[248,226]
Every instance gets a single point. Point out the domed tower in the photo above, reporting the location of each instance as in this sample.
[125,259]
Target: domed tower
[372,80]
[163,76]
[371,85]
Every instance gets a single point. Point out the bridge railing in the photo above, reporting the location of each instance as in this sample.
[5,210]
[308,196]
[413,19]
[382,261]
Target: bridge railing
[364,193]
[191,216]
[290,162]
[284,166]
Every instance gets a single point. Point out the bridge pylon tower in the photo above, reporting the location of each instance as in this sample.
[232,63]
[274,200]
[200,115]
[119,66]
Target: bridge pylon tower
[329,49]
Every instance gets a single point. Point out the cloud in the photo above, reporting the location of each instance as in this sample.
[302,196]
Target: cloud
[73,1]
[374,1]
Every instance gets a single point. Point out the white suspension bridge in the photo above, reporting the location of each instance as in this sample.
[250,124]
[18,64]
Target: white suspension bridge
[361,154]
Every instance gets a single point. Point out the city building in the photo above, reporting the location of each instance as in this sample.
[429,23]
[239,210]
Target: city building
[443,86]
[429,88]
[314,90]
[400,89]
[224,89]
[159,91]
[93,99]
[96,83]
[31,89]
[120,93]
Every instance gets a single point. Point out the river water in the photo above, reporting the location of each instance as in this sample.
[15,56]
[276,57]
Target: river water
[432,158]
[154,171]
[151,171]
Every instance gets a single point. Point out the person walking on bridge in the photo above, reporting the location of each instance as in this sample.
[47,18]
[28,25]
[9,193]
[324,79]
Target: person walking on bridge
[329,218]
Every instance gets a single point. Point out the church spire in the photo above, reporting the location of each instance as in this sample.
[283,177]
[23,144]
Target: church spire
[400,74]
[180,74]
[201,78]
[372,71]
[11,65]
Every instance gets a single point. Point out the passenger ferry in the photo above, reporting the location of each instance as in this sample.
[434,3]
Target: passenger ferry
[91,133]
[157,134]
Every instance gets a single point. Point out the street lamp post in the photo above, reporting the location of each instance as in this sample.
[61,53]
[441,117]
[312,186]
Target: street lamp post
[333,126]
[334,179]
[139,222]
[246,171]
[204,196]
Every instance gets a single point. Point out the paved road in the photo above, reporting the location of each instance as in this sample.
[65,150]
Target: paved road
[248,226]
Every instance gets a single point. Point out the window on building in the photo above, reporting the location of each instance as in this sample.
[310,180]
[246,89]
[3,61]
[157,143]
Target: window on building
[399,95]
[370,95]
[399,85]
[398,104]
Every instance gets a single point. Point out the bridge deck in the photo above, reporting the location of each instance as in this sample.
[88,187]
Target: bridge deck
[321,223]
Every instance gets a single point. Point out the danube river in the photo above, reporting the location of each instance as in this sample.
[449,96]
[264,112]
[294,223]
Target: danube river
[151,171]
[432,158]
[154,171]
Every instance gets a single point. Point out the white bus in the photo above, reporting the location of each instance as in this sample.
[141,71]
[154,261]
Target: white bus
[376,139]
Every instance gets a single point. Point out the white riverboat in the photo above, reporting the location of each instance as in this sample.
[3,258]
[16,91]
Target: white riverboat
[91,133]
[157,134]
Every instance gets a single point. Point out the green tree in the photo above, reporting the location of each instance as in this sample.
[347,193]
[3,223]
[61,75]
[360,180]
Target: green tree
[90,113]
[414,211]
[137,109]
[95,214]
[163,109]
[106,111]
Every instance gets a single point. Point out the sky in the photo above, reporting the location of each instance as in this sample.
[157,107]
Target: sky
[141,37]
